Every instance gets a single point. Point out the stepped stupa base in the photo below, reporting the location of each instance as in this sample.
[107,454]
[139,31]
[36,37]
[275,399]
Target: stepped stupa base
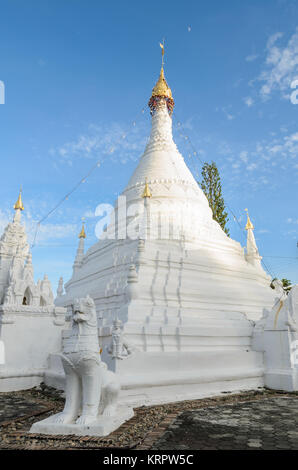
[175,393]
[154,378]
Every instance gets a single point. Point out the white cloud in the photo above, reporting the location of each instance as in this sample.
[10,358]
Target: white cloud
[116,142]
[226,111]
[224,148]
[251,58]
[49,232]
[282,151]
[248,101]
[272,39]
[292,221]
[46,232]
[251,166]
[261,161]
[243,156]
[281,65]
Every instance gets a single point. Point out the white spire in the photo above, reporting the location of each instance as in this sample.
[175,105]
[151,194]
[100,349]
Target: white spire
[252,253]
[60,289]
[175,192]
[28,268]
[81,249]
[161,159]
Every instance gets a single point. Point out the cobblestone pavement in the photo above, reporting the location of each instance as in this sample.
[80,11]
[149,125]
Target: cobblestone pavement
[13,407]
[261,419]
[271,423]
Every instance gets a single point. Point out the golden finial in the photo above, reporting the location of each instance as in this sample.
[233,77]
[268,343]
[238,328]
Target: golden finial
[162,52]
[249,224]
[82,233]
[19,203]
[161,88]
[146,192]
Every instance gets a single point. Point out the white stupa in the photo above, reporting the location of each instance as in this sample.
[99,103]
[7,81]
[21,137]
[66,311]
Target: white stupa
[30,323]
[185,293]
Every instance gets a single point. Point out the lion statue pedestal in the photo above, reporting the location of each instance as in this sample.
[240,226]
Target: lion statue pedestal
[91,390]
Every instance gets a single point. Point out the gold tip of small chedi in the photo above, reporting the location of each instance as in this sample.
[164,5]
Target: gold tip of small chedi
[19,204]
[249,224]
[82,233]
[161,91]
[146,192]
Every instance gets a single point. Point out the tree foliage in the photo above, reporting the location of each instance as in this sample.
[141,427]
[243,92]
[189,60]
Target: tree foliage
[211,186]
[286,283]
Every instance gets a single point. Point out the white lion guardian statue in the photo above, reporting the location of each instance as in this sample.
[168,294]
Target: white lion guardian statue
[91,390]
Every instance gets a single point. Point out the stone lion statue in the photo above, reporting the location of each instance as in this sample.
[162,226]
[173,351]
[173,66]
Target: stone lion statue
[91,390]
[119,347]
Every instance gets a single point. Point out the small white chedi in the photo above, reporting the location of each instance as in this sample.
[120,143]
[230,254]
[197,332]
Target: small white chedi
[30,323]
[276,334]
[186,294]
[91,390]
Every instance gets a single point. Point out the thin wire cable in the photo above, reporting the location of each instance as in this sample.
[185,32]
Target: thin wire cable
[81,181]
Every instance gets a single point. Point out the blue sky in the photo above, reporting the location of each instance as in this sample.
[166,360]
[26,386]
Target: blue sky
[78,76]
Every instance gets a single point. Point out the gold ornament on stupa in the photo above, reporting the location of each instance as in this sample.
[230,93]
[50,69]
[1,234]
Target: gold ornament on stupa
[161,91]
[82,233]
[162,88]
[19,204]
[146,192]
[249,224]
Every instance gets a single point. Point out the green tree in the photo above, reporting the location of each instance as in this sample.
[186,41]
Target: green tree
[211,187]
[286,283]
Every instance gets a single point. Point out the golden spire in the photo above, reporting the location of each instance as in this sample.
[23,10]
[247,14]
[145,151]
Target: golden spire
[19,203]
[82,233]
[249,224]
[161,88]
[146,192]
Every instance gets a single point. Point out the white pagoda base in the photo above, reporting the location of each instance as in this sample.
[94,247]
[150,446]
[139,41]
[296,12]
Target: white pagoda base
[211,360]
[176,376]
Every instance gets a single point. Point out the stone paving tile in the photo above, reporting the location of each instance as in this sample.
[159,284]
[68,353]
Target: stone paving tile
[234,418]
[12,407]
[263,424]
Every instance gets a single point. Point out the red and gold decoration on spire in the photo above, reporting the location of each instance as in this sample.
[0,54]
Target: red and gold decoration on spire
[161,91]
